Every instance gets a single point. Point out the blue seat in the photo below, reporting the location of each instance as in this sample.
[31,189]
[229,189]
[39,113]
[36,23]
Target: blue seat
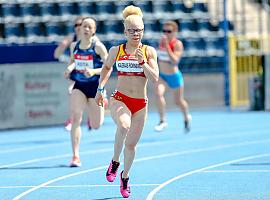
[13,32]
[214,47]
[32,29]
[204,25]
[28,11]
[200,10]
[162,6]
[177,6]
[194,47]
[100,27]
[200,44]
[10,12]
[188,28]
[152,42]
[69,27]
[146,6]
[113,26]
[180,7]
[48,10]
[187,25]
[200,7]
[152,25]
[86,8]
[120,5]
[105,7]
[11,29]
[204,28]
[66,10]
[33,32]
[1,30]
[53,31]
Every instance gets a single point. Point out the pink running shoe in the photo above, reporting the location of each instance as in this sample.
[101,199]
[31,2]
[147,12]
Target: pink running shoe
[124,186]
[75,162]
[68,124]
[112,171]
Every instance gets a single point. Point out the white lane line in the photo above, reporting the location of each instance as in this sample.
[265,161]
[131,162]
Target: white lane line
[200,138]
[54,157]
[138,160]
[199,150]
[67,142]
[18,197]
[82,153]
[237,171]
[157,189]
[77,186]
[232,134]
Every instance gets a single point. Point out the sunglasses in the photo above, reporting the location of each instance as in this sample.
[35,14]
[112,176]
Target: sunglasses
[76,25]
[132,31]
[167,31]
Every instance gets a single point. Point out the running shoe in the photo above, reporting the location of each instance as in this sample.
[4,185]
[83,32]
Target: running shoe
[68,125]
[75,162]
[161,126]
[187,124]
[124,186]
[112,171]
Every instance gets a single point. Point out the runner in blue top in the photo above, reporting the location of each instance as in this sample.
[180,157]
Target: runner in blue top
[62,53]
[87,57]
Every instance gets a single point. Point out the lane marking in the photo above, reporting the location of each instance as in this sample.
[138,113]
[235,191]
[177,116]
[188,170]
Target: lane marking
[151,195]
[236,171]
[77,186]
[54,157]
[200,138]
[235,133]
[140,160]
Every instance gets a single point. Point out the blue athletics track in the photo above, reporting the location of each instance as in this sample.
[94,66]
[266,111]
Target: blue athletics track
[226,156]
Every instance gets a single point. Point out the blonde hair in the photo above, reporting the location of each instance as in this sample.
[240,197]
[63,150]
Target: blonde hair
[132,13]
[173,24]
[131,10]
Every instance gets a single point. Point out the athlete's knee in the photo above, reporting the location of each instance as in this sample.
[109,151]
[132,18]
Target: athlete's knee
[76,116]
[130,146]
[180,102]
[159,93]
[124,127]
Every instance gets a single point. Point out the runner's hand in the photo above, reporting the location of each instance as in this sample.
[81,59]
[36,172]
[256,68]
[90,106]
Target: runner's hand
[99,98]
[139,55]
[67,73]
[89,72]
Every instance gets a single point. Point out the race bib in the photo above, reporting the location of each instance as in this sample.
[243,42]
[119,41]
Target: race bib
[128,63]
[83,61]
[163,56]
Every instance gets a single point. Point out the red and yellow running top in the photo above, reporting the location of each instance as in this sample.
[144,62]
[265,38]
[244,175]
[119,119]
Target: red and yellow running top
[127,64]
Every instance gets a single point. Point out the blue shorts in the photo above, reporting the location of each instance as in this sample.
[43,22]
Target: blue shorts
[89,89]
[173,80]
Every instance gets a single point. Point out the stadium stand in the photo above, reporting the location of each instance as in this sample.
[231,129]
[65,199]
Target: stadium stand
[32,23]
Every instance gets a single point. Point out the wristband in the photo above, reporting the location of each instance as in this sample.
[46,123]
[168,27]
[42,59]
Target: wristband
[142,63]
[101,90]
